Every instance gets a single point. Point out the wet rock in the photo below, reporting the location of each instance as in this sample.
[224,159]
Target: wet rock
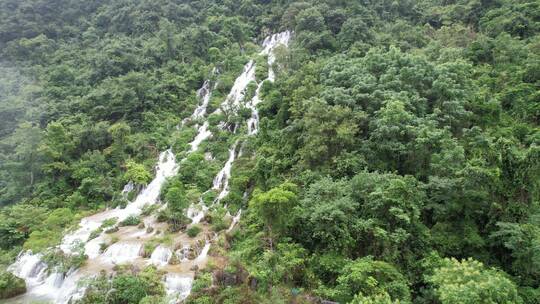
[194,268]
[228,279]
[112,230]
[193,253]
[174,260]
[253,283]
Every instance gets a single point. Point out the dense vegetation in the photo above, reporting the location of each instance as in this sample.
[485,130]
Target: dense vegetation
[398,157]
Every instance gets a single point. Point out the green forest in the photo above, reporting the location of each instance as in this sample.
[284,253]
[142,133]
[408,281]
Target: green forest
[397,158]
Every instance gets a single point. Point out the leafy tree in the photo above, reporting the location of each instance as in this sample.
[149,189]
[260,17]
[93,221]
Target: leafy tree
[368,277]
[274,207]
[137,173]
[327,217]
[469,281]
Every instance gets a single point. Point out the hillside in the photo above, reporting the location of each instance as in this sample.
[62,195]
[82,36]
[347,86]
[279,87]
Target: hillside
[270,151]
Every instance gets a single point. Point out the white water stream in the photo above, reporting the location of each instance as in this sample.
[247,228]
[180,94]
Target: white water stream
[161,256]
[61,288]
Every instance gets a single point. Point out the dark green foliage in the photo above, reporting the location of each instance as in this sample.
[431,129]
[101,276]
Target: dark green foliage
[193,231]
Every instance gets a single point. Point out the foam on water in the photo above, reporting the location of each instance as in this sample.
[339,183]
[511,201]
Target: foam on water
[221,181]
[178,286]
[121,252]
[161,256]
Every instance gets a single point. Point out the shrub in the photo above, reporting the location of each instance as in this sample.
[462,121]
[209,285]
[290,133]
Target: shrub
[163,216]
[137,173]
[11,285]
[193,231]
[149,209]
[209,197]
[131,220]
[201,282]
[94,234]
[148,248]
[109,222]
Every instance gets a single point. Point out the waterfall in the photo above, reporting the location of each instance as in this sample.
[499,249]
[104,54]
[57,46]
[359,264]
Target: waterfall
[63,287]
[269,44]
[29,267]
[120,252]
[165,168]
[235,220]
[183,253]
[238,90]
[196,214]
[178,286]
[161,256]
[127,189]
[204,253]
[221,181]
[202,135]
[204,94]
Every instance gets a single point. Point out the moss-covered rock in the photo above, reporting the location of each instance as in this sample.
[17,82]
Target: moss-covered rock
[10,285]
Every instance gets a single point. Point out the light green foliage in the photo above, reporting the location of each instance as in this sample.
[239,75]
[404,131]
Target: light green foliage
[18,222]
[469,281]
[137,173]
[126,287]
[131,220]
[10,285]
[274,206]
[382,298]
[109,222]
[217,218]
[202,281]
[197,171]
[50,231]
[175,195]
[367,277]
[328,213]
[522,240]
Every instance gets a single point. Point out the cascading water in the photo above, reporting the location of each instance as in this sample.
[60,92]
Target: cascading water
[127,189]
[204,253]
[161,256]
[196,213]
[179,285]
[165,168]
[29,267]
[235,220]
[221,181]
[269,45]
[183,254]
[121,252]
[238,90]
[62,287]
[202,135]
